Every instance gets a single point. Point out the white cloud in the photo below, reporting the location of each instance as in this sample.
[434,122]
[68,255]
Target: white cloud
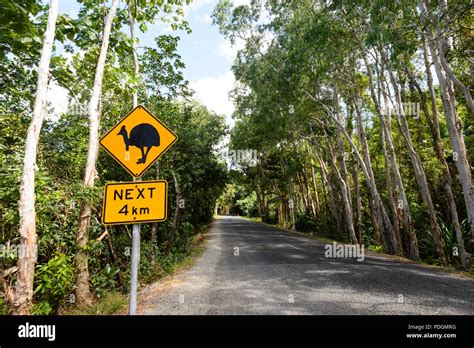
[213,92]
[228,51]
[194,6]
[241,2]
[205,18]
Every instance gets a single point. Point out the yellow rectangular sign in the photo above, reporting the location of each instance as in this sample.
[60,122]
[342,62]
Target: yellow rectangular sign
[135,202]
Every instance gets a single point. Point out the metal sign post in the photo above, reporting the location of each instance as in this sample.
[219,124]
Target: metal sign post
[135,263]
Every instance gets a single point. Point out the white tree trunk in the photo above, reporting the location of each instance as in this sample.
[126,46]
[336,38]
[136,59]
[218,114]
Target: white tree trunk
[27,257]
[418,169]
[332,195]
[380,212]
[28,247]
[344,186]
[439,149]
[442,46]
[402,211]
[83,296]
[454,127]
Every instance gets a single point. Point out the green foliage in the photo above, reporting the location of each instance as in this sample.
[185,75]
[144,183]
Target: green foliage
[307,63]
[17,31]
[306,223]
[42,308]
[3,307]
[110,304]
[248,205]
[62,149]
[375,248]
[238,200]
[104,281]
[270,219]
[54,281]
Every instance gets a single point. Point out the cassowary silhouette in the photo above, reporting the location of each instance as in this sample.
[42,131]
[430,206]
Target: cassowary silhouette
[141,136]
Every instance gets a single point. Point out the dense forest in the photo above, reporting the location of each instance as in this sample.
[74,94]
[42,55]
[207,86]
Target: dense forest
[355,119]
[362,118]
[58,218]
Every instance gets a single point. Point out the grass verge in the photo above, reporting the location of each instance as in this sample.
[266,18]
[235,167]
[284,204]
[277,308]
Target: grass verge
[116,303]
[108,305]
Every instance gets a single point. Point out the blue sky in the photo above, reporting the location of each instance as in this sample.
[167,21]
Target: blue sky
[207,55]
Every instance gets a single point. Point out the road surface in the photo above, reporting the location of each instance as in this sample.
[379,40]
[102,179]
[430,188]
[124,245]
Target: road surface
[278,272]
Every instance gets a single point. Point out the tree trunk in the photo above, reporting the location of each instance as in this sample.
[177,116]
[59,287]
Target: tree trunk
[391,192]
[175,223]
[27,259]
[374,217]
[439,150]
[442,47]
[313,181]
[303,193]
[332,195]
[379,211]
[418,169]
[454,128]
[83,294]
[377,217]
[345,197]
[403,208]
[385,133]
[309,197]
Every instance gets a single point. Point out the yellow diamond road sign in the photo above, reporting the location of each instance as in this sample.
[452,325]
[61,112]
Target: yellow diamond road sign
[135,202]
[138,140]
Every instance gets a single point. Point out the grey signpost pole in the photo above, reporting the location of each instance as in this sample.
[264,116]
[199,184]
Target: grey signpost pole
[135,231]
[135,263]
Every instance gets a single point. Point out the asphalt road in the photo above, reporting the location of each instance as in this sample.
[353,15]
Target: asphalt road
[276,272]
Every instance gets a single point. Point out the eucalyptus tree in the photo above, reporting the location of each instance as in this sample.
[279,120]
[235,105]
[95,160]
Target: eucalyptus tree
[28,243]
[362,57]
[83,295]
[436,42]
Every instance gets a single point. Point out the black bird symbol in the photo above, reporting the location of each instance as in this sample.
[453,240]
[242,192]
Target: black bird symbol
[141,136]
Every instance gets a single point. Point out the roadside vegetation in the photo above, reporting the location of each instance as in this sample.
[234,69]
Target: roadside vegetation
[51,193]
[361,116]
